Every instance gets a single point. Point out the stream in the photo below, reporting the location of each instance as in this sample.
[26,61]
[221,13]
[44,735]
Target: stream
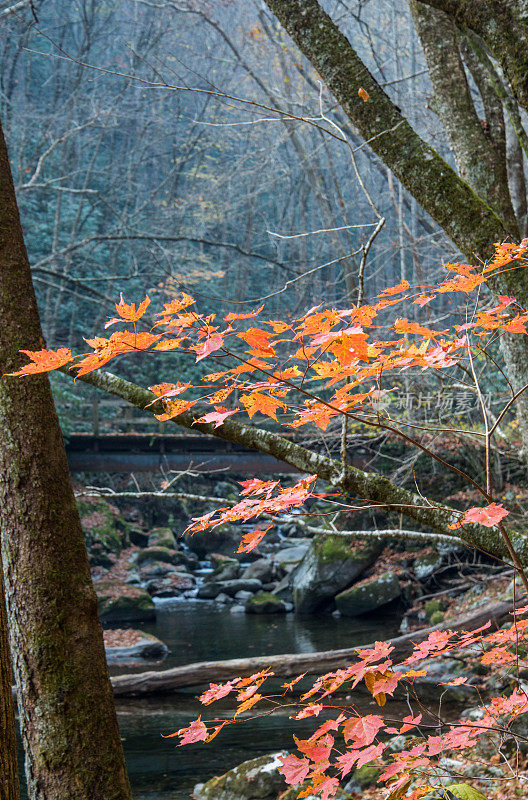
[201,631]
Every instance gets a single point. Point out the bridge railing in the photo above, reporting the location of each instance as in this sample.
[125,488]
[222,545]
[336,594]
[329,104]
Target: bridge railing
[98,417]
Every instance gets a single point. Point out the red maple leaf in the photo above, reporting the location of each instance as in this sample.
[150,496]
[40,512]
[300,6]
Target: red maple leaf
[195,732]
[294,769]
[487,515]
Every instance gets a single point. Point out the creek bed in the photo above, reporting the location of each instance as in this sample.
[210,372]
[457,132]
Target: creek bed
[202,631]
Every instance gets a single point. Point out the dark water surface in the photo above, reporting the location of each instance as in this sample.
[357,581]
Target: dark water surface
[198,631]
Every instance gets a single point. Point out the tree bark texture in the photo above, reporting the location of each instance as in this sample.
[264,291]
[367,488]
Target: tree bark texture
[69,728]
[481,165]
[9,789]
[502,24]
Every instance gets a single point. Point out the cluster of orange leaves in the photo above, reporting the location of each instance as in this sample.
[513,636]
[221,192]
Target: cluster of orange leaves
[348,739]
[273,364]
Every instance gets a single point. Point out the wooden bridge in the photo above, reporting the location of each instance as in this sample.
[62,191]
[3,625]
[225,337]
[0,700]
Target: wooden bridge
[113,436]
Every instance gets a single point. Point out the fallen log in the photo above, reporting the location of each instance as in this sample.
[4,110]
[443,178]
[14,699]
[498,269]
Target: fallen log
[291,664]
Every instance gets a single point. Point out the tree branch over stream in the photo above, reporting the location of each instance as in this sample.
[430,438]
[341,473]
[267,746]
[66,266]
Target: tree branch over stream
[368,486]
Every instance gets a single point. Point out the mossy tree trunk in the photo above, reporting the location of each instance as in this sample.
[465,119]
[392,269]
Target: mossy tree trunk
[69,727]
[9,789]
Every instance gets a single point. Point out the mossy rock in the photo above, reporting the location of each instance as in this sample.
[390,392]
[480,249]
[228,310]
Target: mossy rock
[431,606]
[103,525]
[162,537]
[265,603]
[365,776]
[164,554]
[330,565]
[436,618]
[124,603]
[424,566]
[368,595]
[256,779]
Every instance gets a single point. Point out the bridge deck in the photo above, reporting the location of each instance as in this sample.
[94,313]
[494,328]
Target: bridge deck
[140,452]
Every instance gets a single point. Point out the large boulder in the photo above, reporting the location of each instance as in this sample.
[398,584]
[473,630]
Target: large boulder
[105,530]
[330,565]
[368,595]
[265,603]
[289,557]
[162,537]
[224,539]
[152,555]
[210,590]
[263,569]
[122,602]
[257,779]
[171,585]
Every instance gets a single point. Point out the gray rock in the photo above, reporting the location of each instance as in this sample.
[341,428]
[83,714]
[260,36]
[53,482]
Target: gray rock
[151,554]
[225,571]
[171,585]
[148,646]
[211,589]
[240,585]
[330,565]
[208,591]
[237,609]
[263,569]
[257,779]
[265,603]
[222,598]
[368,595]
[424,566]
[156,569]
[242,596]
[283,589]
[289,557]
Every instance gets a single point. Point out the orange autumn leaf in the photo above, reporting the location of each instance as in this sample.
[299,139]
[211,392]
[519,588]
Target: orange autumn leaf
[363,94]
[401,287]
[212,343]
[175,306]
[44,361]
[119,343]
[258,339]
[128,311]
[195,732]
[247,704]
[230,317]
[252,539]
[404,326]
[264,403]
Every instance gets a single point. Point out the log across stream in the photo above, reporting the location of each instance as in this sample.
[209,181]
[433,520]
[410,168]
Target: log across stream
[290,664]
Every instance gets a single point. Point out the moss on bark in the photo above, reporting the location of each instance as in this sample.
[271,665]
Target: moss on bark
[69,726]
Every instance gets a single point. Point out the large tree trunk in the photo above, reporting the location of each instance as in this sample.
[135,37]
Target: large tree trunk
[9,789]
[68,721]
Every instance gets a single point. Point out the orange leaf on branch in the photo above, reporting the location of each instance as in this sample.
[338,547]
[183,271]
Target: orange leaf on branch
[44,361]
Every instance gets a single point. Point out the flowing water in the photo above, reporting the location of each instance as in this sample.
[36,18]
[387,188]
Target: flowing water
[198,631]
